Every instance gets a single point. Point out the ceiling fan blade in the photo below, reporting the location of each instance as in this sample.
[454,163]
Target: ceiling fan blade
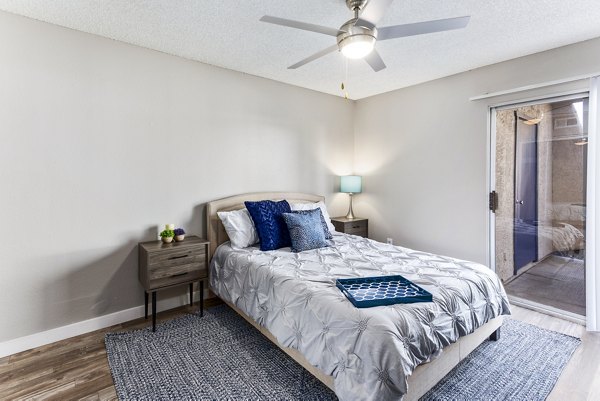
[300,25]
[419,28]
[372,13]
[313,57]
[375,61]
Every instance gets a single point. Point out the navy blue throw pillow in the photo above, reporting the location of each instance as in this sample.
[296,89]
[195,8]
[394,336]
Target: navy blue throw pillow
[306,231]
[323,223]
[270,227]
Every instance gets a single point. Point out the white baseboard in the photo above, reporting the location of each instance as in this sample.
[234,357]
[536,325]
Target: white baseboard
[25,343]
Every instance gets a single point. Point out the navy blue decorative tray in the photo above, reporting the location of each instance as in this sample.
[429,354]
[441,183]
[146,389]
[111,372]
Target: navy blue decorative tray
[365,292]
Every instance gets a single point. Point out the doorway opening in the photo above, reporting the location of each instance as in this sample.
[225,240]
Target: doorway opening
[539,202]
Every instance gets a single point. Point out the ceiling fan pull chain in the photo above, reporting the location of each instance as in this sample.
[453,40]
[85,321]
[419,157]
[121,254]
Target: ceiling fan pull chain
[345,92]
[345,79]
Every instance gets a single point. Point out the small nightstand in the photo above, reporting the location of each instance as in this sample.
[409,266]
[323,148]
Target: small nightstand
[357,226]
[166,265]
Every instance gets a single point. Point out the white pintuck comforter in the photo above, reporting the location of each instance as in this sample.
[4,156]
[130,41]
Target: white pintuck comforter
[369,351]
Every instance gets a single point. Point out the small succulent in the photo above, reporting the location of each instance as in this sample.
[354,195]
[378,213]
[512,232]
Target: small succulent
[167,233]
[179,231]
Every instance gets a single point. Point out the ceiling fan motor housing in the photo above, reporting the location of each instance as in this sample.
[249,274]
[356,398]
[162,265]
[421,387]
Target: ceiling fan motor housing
[356,4]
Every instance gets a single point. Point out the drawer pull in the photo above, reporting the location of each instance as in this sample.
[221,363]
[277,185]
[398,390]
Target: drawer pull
[179,274]
[355,226]
[178,257]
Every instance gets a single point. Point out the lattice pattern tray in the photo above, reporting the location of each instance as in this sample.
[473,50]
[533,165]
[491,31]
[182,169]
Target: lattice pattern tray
[365,292]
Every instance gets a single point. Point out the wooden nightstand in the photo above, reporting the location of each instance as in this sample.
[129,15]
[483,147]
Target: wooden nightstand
[166,265]
[357,226]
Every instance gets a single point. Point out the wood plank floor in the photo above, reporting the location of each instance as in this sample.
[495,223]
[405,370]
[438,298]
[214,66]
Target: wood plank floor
[77,368]
[72,369]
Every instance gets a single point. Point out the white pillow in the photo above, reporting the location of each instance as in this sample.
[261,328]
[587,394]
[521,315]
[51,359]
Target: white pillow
[240,228]
[314,205]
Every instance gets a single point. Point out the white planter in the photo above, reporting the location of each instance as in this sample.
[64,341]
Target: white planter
[167,240]
[179,238]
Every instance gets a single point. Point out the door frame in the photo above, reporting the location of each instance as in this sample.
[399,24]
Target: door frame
[592,297]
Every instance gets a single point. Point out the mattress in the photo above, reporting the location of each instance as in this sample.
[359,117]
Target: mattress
[370,352]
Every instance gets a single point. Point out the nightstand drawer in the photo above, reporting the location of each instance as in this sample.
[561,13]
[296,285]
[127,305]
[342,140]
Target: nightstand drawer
[164,271]
[174,279]
[356,226]
[176,257]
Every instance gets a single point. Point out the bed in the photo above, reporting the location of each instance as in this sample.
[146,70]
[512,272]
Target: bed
[382,353]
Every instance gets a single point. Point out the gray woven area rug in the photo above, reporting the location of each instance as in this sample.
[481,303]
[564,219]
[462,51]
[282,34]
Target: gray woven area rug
[523,365]
[222,357]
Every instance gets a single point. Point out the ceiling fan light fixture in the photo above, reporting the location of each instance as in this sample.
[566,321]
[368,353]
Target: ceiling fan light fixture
[357,46]
[355,41]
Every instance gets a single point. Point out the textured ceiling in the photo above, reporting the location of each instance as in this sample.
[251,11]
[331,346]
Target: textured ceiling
[227,33]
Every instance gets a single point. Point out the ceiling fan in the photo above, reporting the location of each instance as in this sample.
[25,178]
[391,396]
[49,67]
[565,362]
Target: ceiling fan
[356,37]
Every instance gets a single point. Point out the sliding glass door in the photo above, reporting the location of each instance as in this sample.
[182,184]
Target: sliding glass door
[539,201]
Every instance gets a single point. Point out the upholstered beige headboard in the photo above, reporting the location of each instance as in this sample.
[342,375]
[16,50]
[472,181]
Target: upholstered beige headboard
[216,232]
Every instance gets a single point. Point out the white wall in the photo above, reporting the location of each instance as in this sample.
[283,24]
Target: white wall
[102,141]
[423,150]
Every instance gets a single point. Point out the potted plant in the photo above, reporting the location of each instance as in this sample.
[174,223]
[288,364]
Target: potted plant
[167,236]
[179,234]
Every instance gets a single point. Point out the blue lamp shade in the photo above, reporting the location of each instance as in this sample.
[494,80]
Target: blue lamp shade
[351,184]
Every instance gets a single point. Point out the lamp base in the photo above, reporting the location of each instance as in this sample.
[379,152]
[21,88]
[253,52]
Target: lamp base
[350,215]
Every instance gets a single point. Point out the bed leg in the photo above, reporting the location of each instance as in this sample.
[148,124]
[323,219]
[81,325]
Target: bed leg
[495,336]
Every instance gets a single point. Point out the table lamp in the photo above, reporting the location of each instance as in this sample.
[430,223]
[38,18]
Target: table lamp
[351,184]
